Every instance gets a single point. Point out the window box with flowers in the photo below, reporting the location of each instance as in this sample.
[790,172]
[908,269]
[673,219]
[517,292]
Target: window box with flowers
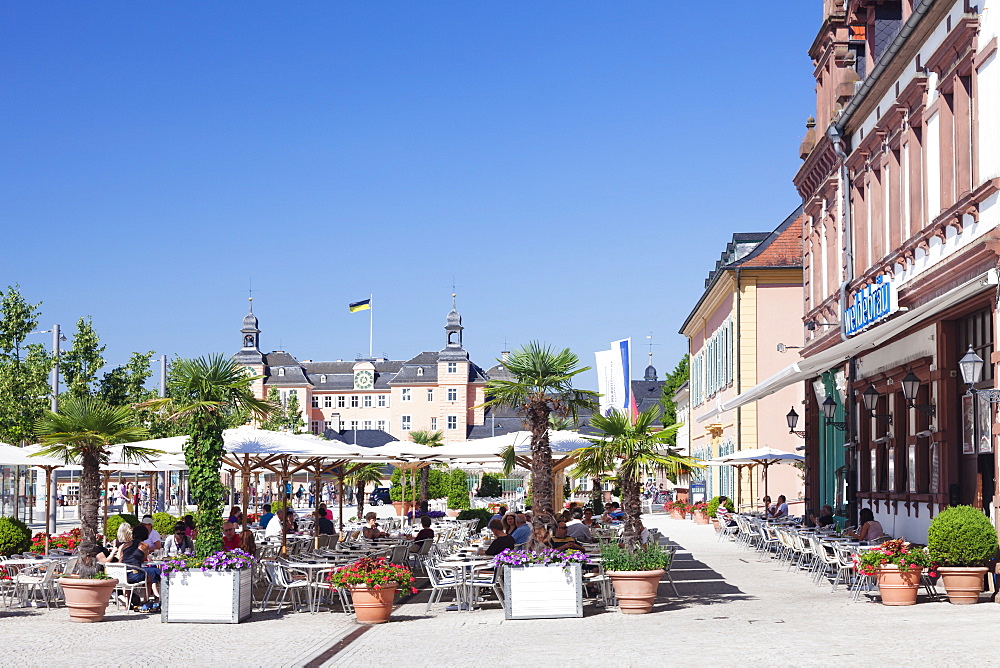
[373,582]
[542,585]
[213,590]
[896,566]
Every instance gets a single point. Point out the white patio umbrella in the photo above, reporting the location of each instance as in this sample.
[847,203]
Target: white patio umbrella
[764,457]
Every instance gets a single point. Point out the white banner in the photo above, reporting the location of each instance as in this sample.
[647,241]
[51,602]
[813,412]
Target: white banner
[603,366]
[619,387]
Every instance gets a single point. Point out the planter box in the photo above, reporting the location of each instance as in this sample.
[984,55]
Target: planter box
[543,592]
[207,597]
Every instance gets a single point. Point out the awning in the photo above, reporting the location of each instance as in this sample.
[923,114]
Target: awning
[871,338]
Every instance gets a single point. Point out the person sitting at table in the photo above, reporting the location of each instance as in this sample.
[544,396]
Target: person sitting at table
[426,533]
[825,518]
[501,511]
[577,530]
[327,513]
[540,538]
[266,517]
[780,508]
[588,518]
[276,527]
[371,530]
[509,523]
[192,528]
[501,541]
[248,543]
[134,554]
[179,542]
[523,530]
[870,527]
[562,542]
[323,525]
[643,532]
[230,539]
[722,513]
[154,541]
[291,521]
[235,515]
[768,507]
[123,537]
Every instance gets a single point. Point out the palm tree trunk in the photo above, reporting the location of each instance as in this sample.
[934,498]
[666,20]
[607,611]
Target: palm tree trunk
[361,499]
[632,506]
[541,455]
[90,485]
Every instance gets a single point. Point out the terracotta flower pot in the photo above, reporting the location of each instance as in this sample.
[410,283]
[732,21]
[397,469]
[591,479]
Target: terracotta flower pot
[635,590]
[402,507]
[716,525]
[676,515]
[898,587]
[700,517]
[963,583]
[372,606]
[87,600]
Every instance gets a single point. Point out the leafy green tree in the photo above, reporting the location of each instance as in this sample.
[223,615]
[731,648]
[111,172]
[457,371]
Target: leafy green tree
[24,369]
[631,447]
[360,477]
[126,384]
[431,440]
[81,433]
[276,415]
[542,385]
[458,490]
[672,383]
[81,363]
[489,486]
[205,394]
[293,415]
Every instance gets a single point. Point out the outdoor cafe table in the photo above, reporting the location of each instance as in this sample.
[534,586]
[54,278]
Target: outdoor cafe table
[463,567]
[312,571]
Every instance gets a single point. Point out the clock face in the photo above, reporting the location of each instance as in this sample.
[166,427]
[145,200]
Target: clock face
[363,380]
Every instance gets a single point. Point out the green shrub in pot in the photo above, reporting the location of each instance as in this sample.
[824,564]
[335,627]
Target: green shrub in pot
[961,536]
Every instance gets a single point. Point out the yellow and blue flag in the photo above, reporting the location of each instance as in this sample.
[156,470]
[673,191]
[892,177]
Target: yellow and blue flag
[360,306]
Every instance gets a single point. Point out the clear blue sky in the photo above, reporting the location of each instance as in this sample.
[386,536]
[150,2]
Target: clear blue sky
[575,167]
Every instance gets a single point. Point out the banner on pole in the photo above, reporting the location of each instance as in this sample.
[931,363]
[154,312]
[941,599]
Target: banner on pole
[613,376]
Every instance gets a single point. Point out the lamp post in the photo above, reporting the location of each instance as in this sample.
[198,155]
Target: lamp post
[911,385]
[971,366]
[869,398]
[829,411]
[51,487]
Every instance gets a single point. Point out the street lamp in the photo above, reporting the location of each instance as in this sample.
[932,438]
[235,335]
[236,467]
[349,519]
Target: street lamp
[829,411]
[911,385]
[870,400]
[793,419]
[971,366]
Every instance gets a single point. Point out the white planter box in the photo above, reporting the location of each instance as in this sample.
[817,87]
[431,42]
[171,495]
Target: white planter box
[207,597]
[543,592]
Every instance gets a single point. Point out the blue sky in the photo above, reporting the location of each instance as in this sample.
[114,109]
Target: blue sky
[574,167]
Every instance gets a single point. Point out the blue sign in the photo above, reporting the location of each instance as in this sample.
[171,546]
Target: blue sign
[698,487]
[870,304]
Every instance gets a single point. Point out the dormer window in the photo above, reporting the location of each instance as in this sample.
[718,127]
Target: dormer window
[452,367]
[281,371]
[322,378]
[420,370]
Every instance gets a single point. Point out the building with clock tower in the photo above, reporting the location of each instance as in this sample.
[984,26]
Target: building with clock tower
[371,401]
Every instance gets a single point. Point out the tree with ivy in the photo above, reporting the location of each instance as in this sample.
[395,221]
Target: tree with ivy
[84,359]
[24,369]
[205,395]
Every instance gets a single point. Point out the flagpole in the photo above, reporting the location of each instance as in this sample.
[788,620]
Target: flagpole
[371,320]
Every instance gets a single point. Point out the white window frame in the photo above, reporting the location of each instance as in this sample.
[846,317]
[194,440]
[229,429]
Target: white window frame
[406,394]
[367,424]
[430,395]
[452,394]
[381,425]
[452,422]
[383,400]
[328,401]
[434,424]
[367,401]
[452,367]
[355,401]
[341,401]
[405,423]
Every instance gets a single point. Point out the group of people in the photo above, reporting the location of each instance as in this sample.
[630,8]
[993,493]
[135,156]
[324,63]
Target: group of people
[545,529]
[868,527]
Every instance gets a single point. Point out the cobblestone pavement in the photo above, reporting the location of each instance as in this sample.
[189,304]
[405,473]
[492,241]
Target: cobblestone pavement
[732,610]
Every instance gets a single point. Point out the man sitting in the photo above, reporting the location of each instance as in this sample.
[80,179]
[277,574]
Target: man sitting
[323,525]
[425,534]
[179,542]
[230,540]
[501,541]
[266,517]
[275,528]
[577,530]
[722,513]
[564,543]
[523,530]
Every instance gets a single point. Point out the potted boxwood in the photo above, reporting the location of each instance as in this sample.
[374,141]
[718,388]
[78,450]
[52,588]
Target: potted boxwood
[542,585]
[678,509]
[699,512]
[897,566]
[373,582]
[213,589]
[635,574]
[713,508]
[961,540]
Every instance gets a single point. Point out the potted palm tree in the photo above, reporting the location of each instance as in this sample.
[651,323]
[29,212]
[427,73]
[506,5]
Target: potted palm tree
[541,386]
[961,540]
[82,432]
[632,446]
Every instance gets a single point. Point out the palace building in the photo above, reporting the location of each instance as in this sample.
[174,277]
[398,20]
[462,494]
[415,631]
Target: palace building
[431,391]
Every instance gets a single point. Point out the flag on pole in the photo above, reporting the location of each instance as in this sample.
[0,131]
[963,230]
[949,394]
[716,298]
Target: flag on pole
[360,306]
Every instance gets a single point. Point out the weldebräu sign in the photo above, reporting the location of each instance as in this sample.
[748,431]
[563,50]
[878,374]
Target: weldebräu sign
[872,303]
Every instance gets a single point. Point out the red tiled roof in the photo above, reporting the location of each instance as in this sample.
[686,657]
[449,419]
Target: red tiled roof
[781,250]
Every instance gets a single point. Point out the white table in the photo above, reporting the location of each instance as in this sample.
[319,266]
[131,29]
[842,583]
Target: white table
[312,570]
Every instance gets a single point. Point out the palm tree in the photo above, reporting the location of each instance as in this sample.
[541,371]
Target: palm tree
[81,432]
[432,440]
[205,394]
[360,476]
[542,386]
[632,446]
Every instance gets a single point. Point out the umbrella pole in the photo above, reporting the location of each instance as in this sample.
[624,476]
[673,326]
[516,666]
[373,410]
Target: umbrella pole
[340,497]
[244,484]
[48,504]
[286,501]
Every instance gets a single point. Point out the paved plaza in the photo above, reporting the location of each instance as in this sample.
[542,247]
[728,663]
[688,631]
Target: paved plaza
[732,610]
